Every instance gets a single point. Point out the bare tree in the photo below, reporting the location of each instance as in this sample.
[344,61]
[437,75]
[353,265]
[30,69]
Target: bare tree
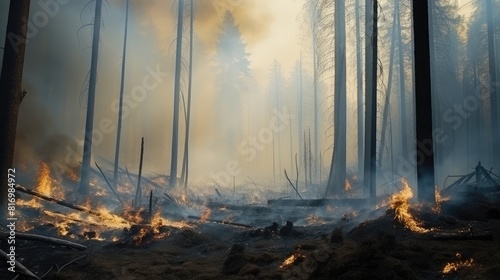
[11,93]
[89,121]
[177,86]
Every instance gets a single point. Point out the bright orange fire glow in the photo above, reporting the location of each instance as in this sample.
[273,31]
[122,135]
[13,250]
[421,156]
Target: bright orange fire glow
[291,260]
[439,199]
[43,182]
[401,206]
[347,186]
[454,266]
[205,215]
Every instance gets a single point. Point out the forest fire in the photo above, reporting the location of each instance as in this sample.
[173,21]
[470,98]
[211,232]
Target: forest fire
[347,186]
[401,206]
[454,266]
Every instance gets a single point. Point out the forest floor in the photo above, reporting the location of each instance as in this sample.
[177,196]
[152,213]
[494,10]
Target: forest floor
[369,245]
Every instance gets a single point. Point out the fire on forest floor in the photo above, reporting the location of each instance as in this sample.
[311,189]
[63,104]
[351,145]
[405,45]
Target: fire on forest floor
[393,242]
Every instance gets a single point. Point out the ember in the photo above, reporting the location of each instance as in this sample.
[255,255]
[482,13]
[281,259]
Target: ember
[454,266]
[292,259]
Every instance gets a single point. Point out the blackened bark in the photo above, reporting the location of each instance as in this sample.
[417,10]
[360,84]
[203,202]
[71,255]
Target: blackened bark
[423,100]
[10,88]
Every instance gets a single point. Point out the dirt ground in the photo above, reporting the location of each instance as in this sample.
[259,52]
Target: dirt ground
[371,245]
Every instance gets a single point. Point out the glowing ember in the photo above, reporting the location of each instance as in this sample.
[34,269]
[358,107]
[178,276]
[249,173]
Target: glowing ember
[401,206]
[205,215]
[454,266]
[347,186]
[291,260]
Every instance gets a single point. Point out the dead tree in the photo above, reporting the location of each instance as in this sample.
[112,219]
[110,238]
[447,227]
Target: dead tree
[11,94]
[89,121]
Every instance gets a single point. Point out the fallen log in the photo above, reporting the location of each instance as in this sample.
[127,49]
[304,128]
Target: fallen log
[357,202]
[61,202]
[220,222]
[19,267]
[45,239]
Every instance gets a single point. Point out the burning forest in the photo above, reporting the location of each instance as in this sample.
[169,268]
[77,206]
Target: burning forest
[221,139]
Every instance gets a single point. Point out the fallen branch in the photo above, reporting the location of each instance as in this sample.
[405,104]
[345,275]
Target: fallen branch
[19,267]
[221,222]
[293,185]
[45,239]
[107,182]
[60,268]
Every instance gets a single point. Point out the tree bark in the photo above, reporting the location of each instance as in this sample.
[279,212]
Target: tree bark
[423,100]
[10,88]
[336,180]
[495,130]
[185,163]
[359,79]
[177,87]
[369,176]
[120,110]
[402,87]
[89,122]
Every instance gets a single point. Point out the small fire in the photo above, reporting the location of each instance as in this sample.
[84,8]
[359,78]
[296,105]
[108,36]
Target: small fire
[347,186]
[43,182]
[454,266]
[205,215]
[439,199]
[401,206]
[291,260]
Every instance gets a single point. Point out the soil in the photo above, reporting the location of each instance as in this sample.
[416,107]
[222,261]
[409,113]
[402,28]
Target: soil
[368,245]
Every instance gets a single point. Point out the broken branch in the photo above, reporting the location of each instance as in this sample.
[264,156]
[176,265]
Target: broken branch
[41,238]
[19,266]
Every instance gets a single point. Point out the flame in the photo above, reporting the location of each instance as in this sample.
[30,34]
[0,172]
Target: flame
[43,182]
[291,260]
[205,215]
[439,199]
[401,206]
[347,186]
[454,266]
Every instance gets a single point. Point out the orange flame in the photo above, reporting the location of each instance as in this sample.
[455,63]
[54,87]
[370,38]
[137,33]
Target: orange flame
[400,204]
[205,215]
[454,266]
[439,199]
[347,186]
[43,182]
[291,260]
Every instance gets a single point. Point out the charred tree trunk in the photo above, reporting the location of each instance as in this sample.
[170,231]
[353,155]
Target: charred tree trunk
[423,100]
[10,87]
[89,122]
[185,162]
[336,179]
[369,176]
[359,79]
[495,130]
[120,110]
[177,87]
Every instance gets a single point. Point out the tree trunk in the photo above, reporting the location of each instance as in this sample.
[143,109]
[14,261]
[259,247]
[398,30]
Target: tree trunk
[177,86]
[185,163]
[402,87]
[89,122]
[359,79]
[387,103]
[369,176]
[423,100]
[300,128]
[120,110]
[495,131]
[315,89]
[11,88]
[336,179]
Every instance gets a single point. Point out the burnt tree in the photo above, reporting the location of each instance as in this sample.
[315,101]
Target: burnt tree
[11,93]
[423,99]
